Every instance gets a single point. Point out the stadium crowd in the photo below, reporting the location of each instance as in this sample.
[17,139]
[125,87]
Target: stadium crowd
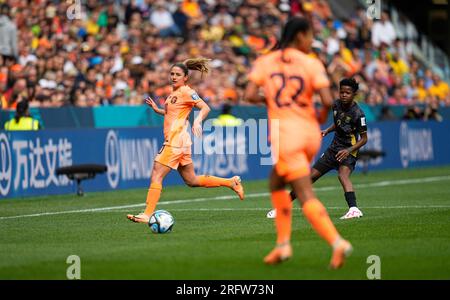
[90,53]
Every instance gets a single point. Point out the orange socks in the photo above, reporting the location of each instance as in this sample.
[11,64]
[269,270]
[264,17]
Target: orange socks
[317,215]
[281,201]
[212,181]
[154,192]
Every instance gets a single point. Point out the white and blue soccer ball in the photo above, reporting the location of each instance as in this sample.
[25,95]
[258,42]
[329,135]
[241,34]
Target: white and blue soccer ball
[161,221]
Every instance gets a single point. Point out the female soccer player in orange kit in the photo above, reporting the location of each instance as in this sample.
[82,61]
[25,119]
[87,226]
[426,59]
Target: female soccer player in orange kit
[176,150]
[289,77]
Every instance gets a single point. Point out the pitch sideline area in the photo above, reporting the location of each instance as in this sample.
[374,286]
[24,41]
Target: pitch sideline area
[216,236]
[254,195]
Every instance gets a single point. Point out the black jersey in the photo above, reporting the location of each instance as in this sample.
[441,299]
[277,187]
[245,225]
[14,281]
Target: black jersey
[349,125]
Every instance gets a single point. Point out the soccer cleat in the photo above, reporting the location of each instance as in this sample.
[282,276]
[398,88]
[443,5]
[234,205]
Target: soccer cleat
[237,187]
[272,214]
[140,218]
[353,212]
[279,254]
[341,250]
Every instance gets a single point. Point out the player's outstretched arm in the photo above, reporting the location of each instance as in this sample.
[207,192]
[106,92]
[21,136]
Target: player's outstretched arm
[328,130]
[149,101]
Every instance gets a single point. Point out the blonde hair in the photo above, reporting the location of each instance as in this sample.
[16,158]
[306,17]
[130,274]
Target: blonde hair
[200,64]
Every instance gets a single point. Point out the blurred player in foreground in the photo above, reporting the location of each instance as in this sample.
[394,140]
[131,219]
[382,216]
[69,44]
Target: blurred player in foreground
[342,154]
[289,77]
[176,150]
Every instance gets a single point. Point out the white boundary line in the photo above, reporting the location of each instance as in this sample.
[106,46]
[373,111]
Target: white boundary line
[255,195]
[328,207]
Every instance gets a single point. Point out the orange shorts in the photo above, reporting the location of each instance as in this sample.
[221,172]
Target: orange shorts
[174,156]
[296,154]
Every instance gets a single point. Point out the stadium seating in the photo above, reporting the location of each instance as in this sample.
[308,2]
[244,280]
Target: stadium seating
[106,53]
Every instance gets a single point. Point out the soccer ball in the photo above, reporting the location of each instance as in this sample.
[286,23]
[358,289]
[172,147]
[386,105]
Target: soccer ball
[161,221]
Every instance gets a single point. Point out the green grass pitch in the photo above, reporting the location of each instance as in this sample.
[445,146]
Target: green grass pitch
[406,223]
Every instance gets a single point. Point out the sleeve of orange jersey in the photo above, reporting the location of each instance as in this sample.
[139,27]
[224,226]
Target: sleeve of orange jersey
[257,73]
[319,77]
[190,97]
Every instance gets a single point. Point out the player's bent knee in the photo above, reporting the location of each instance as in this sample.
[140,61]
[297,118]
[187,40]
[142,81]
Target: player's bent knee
[156,180]
[156,177]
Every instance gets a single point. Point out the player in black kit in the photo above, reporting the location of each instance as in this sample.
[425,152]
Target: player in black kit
[342,154]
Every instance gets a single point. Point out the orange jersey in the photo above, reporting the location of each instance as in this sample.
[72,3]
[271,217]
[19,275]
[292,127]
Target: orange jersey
[289,86]
[177,108]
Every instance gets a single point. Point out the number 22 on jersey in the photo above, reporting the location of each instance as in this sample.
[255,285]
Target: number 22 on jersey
[287,88]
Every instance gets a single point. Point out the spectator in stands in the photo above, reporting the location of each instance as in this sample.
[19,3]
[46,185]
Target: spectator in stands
[3,84]
[22,119]
[422,92]
[439,88]
[142,38]
[428,77]
[386,114]
[431,112]
[399,47]
[181,21]
[192,9]
[399,97]
[413,112]
[332,43]
[222,18]
[8,35]
[398,65]
[11,95]
[383,31]
[162,19]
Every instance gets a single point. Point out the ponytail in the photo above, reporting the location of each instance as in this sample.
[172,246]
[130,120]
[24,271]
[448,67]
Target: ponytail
[200,64]
[290,31]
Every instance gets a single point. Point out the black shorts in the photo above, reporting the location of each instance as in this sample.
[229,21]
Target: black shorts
[328,162]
